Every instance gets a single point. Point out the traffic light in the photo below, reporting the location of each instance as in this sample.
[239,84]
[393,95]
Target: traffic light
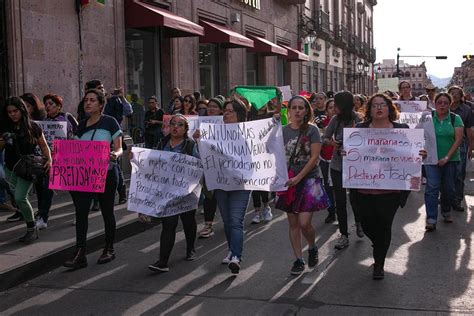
[467,57]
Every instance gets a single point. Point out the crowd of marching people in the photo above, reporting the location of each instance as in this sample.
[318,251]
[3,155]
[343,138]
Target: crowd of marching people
[314,150]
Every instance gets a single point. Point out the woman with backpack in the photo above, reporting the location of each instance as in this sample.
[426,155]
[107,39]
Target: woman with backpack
[21,136]
[449,130]
[333,136]
[54,105]
[177,141]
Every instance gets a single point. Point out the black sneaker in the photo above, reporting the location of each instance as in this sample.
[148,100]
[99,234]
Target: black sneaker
[313,257]
[95,206]
[30,236]
[331,218]
[378,273]
[191,256]
[298,267]
[159,267]
[16,217]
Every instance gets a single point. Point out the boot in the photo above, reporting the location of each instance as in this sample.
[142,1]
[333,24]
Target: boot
[107,255]
[78,261]
[122,195]
[30,236]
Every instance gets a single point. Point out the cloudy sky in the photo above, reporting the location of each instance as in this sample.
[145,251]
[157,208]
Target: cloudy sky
[425,27]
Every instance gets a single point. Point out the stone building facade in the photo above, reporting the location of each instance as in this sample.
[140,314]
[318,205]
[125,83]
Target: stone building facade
[148,46]
[464,76]
[342,54]
[415,74]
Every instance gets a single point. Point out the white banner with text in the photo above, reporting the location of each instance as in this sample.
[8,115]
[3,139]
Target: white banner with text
[382,158]
[164,183]
[244,156]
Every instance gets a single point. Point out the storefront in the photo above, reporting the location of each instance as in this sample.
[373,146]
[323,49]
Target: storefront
[237,44]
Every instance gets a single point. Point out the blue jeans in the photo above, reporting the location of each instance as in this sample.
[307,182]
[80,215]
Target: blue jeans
[460,174]
[232,205]
[439,179]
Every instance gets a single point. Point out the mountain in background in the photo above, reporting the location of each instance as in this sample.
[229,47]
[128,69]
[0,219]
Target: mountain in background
[439,82]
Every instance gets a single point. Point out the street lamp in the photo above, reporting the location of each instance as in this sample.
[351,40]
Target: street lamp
[360,67]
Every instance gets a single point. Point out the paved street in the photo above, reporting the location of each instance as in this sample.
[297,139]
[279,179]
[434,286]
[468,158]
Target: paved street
[424,273]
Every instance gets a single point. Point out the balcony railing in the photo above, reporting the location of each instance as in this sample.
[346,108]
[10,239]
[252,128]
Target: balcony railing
[372,55]
[322,22]
[340,35]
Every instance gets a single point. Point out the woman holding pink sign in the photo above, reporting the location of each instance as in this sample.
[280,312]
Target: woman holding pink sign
[97,127]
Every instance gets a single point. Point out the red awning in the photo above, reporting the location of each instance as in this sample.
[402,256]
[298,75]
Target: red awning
[266,47]
[295,55]
[139,14]
[217,34]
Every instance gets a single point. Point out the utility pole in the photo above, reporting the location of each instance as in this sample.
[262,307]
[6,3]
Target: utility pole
[398,59]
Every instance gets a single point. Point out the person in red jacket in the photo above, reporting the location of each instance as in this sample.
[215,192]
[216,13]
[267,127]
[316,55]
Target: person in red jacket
[325,159]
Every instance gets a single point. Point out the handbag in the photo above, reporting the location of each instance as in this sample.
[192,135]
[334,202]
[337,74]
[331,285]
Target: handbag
[29,167]
[290,194]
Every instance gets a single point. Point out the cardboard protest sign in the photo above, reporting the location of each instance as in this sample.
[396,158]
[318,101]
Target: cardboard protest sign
[417,115]
[424,121]
[385,84]
[411,106]
[244,156]
[194,122]
[164,183]
[79,165]
[53,130]
[286,93]
[382,158]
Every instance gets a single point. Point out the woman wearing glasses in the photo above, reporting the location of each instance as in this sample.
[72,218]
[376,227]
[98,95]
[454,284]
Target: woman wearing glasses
[378,207]
[177,141]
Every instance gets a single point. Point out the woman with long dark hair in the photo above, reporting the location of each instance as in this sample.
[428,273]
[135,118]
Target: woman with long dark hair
[302,147]
[97,127]
[36,108]
[189,105]
[21,136]
[333,136]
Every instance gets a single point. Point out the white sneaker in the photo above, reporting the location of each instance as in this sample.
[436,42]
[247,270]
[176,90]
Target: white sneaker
[234,265]
[267,214]
[40,224]
[227,258]
[257,218]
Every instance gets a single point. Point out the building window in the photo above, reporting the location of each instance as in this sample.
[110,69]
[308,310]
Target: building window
[143,62]
[420,86]
[252,69]
[413,86]
[419,75]
[383,76]
[208,70]
[280,71]
[322,80]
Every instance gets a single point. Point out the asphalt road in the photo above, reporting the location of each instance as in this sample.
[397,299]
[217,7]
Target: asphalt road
[425,273]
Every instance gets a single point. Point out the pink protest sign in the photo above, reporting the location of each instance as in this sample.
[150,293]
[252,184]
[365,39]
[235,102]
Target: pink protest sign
[79,165]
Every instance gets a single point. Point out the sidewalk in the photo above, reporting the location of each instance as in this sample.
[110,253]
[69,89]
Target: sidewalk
[20,262]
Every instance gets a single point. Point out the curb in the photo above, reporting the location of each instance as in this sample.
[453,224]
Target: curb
[55,259]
